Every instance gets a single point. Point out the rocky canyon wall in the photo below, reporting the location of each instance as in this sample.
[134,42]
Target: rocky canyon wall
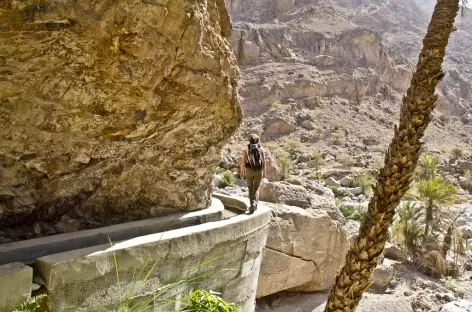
[110,111]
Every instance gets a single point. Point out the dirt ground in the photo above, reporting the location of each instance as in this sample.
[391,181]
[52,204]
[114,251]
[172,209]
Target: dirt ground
[408,291]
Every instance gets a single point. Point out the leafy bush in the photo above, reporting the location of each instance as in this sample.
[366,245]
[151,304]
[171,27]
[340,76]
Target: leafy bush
[316,163]
[335,125]
[292,144]
[337,138]
[227,179]
[356,213]
[468,174]
[285,165]
[33,304]
[408,224]
[346,160]
[457,152]
[450,283]
[276,105]
[427,167]
[203,301]
[364,181]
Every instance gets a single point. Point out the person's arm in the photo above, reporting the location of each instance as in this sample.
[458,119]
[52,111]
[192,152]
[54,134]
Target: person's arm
[242,166]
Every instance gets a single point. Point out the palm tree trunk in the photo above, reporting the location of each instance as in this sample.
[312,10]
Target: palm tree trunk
[400,162]
[428,220]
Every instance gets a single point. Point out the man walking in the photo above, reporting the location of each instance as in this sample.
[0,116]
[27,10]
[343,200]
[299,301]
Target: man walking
[253,169]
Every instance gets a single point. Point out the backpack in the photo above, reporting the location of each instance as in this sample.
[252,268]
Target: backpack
[255,156]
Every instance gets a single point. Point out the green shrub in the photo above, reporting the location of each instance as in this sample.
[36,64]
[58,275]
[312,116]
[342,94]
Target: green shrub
[408,226]
[292,145]
[365,181]
[457,152]
[335,125]
[346,160]
[276,104]
[355,213]
[316,163]
[274,148]
[337,138]
[203,301]
[285,165]
[33,304]
[227,178]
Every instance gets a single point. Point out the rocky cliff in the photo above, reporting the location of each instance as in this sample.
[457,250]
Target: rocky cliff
[110,111]
[330,74]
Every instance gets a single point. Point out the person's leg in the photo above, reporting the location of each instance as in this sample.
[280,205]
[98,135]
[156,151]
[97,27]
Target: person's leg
[255,185]
[250,184]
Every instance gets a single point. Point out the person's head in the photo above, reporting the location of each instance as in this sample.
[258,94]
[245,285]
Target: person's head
[253,139]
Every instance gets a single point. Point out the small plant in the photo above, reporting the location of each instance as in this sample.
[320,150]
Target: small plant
[365,181]
[276,104]
[204,301]
[427,167]
[355,213]
[457,153]
[449,283]
[316,163]
[227,179]
[33,304]
[468,173]
[337,138]
[285,165]
[408,224]
[335,125]
[292,145]
[346,160]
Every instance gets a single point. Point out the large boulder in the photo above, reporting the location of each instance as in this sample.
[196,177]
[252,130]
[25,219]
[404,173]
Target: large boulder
[272,170]
[299,196]
[464,165]
[466,184]
[382,276]
[112,111]
[309,242]
[457,306]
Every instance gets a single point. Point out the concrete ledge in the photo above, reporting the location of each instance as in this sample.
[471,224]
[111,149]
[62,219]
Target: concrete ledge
[29,250]
[85,279]
[15,285]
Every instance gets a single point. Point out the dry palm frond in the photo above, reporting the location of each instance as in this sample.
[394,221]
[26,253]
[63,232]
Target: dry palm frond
[434,264]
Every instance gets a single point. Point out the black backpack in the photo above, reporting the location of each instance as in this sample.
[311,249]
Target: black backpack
[255,156]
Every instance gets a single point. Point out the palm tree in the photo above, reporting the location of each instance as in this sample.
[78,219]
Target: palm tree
[434,192]
[427,167]
[401,158]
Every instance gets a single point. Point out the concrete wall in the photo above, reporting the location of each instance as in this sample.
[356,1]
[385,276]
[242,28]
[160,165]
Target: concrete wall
[28,251]
[222,256]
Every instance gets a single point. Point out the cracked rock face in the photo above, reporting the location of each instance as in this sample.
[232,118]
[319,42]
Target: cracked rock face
[111,111]
[305,248]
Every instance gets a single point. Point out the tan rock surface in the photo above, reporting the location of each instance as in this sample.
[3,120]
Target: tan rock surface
[302,236]
[111,111]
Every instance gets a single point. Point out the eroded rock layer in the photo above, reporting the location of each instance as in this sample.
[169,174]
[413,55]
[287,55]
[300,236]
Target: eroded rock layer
[111,110]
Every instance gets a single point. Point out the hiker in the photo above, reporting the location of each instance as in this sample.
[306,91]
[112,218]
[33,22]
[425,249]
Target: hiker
[252,169]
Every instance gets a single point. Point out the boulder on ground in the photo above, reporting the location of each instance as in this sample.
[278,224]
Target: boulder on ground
[381,276]
[458,306]
[308,235]
[464,165]
[353,190]
[394,252]
[466,184]
[133,103]
[346,181]
[273,172]
[330,181]
[299,196]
